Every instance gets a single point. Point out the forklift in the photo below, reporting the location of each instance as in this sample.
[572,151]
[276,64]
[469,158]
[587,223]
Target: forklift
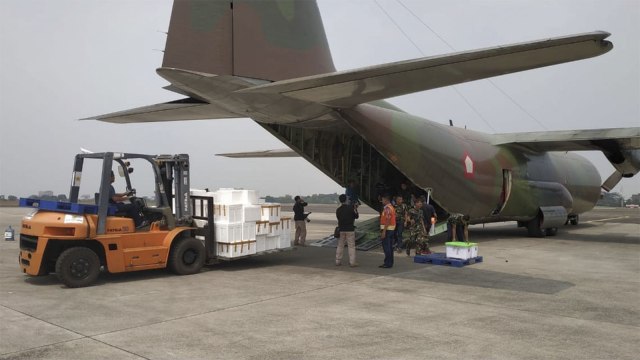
[78,241]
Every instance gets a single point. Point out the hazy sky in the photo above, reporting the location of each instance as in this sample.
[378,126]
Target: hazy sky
[65,60]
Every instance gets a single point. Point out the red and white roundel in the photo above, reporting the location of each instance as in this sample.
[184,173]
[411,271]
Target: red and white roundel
[468,166]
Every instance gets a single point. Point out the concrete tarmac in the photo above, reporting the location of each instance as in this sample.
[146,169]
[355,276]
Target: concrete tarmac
[572,296]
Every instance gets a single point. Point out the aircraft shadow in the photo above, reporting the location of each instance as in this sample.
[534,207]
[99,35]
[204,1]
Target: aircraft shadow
[323,259]
[564,233]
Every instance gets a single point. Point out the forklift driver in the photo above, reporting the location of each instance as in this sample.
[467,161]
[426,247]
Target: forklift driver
[131,209]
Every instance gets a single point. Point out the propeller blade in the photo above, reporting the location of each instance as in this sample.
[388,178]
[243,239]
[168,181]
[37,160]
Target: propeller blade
[612,181]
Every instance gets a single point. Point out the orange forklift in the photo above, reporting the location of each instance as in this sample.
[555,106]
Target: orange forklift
[78,241]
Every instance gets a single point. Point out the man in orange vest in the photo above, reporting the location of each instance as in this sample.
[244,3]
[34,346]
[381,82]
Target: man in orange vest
[387,230]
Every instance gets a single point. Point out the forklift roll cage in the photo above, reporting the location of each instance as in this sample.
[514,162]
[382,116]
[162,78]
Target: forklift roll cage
[171,174]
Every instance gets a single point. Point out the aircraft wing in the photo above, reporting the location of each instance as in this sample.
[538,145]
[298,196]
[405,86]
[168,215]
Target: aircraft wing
[277,153]
[345,89]
[574,140]
[185,109]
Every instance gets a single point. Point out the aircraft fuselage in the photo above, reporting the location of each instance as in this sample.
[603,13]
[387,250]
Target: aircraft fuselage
[470,175]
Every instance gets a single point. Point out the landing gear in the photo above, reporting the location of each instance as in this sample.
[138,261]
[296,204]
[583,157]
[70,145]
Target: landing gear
[573,219]
[534,228]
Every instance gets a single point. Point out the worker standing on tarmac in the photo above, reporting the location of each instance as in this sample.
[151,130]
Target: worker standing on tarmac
[387,230]
[417,230]
[299,218]
[401,215]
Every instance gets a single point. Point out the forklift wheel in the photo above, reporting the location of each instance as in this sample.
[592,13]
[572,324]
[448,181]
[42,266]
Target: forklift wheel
[78,267]
[187,256]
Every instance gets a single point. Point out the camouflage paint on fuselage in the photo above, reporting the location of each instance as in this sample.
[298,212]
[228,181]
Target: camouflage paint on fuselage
[466,171]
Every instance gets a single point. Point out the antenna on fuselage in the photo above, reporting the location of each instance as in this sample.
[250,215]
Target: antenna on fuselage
[450,122]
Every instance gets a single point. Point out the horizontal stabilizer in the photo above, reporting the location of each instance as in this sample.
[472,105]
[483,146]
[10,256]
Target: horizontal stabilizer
[574,140]
[345,89]
[262,154]
[185,109]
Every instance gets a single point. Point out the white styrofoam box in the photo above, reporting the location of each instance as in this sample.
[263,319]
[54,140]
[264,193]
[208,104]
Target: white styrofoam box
[272,242]
[248,197]
[250,213]
[228,233]
[284,242]
[227,214]
[275,229]
[286,227]
[461,250]
[231,250]
[270,212]
[261,242]
[248,231]
[228,196]
[262,227]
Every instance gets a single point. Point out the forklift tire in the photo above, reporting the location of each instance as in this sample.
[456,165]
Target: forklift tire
[78,267]
[187,256]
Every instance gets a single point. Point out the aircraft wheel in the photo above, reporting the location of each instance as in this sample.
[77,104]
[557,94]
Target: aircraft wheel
[78,267]
[574,220]
[534,228]
[187,256]
[551,231]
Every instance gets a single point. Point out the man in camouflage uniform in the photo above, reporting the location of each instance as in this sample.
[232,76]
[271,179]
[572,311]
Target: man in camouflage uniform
[401,216]
[458,223]
[417,230]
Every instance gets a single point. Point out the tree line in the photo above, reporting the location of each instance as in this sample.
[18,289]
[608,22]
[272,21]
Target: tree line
[311,199]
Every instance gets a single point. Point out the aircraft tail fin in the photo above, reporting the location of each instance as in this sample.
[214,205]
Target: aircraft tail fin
[268,39]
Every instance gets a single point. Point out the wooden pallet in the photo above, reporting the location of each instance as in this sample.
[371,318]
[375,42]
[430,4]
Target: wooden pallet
[441,259]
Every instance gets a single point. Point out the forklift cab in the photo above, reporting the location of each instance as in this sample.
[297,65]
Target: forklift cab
[171,175]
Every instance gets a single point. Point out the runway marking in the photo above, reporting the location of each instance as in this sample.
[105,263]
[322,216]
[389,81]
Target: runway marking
[615,218]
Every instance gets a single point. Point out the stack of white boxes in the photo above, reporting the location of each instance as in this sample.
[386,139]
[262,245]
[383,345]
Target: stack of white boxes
[242,226]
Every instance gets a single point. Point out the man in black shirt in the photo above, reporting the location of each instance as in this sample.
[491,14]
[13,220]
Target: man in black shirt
[429,212]
[299,218]
[131,210]
[346,214]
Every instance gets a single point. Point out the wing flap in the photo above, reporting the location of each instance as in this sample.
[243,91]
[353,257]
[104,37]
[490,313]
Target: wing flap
[348,88]
[574,140]
[185,109]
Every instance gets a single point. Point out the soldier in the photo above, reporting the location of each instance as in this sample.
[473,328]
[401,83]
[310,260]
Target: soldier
[401,215]
[458,222]
[417,231]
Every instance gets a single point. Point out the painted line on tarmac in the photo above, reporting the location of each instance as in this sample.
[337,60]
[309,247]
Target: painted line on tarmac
[600,220]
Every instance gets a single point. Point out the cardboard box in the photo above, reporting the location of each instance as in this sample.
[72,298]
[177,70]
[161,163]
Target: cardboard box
[461,250]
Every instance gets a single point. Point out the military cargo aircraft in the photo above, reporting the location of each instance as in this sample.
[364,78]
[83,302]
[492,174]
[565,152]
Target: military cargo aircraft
[270,61]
